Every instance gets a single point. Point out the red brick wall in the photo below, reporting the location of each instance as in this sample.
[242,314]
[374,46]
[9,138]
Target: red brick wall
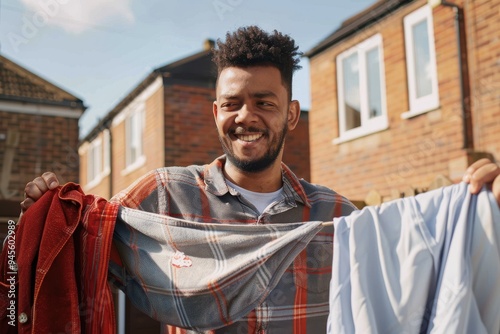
[483,39]
[190,132]
[46,143]
[296,154]
[412,152]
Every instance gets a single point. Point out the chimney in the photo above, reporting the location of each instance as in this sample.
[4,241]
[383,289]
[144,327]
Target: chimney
[208,44]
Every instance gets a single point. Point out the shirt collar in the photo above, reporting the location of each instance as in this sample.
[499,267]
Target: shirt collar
[215,182]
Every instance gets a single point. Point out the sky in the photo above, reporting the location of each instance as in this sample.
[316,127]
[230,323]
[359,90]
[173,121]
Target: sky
[99,50]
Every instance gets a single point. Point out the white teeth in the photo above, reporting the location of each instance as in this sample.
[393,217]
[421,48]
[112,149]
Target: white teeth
[250,138]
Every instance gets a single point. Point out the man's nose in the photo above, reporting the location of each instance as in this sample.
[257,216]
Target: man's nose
[246,114]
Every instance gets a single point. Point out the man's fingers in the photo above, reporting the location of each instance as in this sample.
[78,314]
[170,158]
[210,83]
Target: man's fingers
[481,172]
[50,180]
[26,204]
[473,168]
[480,163]
[496,189]
[35,189]
[39,186]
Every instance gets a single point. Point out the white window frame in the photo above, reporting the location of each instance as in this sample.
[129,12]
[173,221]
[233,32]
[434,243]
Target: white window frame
[368,125]
[98,159]
[431,101]
[94,163]
[134,123]
[106,151]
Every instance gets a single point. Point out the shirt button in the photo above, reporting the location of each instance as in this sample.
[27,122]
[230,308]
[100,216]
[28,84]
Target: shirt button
[23,318]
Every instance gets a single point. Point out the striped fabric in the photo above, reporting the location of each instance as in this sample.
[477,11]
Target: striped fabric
[201,275]
[298,303]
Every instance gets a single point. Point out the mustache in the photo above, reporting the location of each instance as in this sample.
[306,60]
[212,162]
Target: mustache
[242,130]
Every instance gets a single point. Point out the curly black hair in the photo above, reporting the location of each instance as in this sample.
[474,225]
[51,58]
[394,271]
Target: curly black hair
[252,46]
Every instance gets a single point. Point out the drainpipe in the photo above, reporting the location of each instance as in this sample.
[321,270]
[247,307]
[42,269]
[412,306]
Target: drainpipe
[121,301]
[463,71]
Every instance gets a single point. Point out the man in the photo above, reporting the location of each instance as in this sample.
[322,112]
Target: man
[250,184]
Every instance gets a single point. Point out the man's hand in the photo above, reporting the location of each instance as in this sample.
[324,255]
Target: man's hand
[481,172]
[36,188]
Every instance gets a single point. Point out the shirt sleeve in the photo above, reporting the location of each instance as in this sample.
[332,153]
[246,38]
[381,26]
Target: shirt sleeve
[148,193]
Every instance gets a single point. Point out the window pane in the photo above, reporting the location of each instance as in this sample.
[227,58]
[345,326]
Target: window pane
[105,149]
[422,59]
[90,163]
[97,160]
[352,103]
[130,140]
[374,80]
[134,137]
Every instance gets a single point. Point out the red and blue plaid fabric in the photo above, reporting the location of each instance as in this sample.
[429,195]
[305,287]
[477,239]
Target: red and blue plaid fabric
[202,275]
[298,303]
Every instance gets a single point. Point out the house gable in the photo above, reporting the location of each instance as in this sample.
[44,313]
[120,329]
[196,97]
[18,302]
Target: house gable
[17,84]
[417,145]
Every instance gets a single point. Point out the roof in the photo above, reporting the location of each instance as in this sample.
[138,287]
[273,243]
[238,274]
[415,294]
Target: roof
[354,24]
[19,84]
[198,68]
[195,70]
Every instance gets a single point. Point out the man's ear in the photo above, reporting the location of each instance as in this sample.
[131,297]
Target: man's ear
[293,114]
[215,109]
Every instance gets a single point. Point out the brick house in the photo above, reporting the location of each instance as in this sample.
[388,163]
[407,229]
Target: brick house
[403,93]
[38,132]
[166,120]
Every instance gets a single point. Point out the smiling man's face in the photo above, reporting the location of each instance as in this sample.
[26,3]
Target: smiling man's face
[253,115]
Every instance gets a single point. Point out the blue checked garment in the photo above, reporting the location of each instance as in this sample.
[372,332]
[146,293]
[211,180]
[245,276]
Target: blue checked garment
[200,275]
[299,301]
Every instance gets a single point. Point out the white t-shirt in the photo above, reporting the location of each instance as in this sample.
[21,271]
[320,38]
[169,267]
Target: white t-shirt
[260,200]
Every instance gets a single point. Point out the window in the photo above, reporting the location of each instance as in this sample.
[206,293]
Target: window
[361,90]
[98,159]
[106,152]
[421,62]
[134,132]
[94,161]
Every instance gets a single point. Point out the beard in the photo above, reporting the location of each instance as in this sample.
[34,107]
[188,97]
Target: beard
[260,164]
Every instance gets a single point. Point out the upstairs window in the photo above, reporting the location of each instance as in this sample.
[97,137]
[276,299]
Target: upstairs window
[134,134]
[94,161]
[98,159]
[361,90]
[421,62]
[106,164]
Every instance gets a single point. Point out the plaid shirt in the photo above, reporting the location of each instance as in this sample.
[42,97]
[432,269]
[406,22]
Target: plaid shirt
[299,302]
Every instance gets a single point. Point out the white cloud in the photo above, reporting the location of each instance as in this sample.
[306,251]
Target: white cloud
[77,16]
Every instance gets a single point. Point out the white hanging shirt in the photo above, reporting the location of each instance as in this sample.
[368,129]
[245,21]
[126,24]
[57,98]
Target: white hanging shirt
[424,264]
